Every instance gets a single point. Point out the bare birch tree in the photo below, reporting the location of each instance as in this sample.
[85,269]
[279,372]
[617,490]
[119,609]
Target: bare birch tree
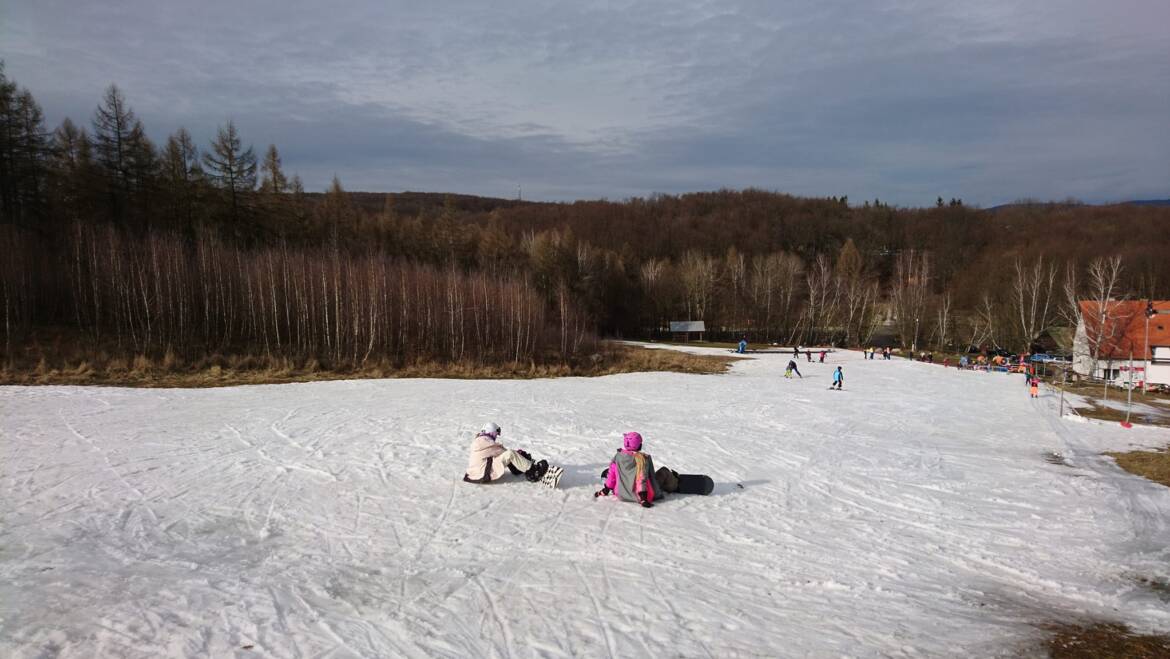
[699,275]
[1032,298]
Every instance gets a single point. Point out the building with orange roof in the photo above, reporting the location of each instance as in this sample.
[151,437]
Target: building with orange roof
[1107,337]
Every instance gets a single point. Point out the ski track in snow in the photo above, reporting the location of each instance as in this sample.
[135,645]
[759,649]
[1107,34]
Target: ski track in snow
[911,515]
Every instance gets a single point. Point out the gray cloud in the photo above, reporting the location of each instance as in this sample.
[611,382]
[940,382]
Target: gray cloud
[903,100]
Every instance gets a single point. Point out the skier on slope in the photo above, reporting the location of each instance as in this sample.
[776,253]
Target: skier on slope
[488,460]
[631,474]
[792,369]
[838,379]
[823,356]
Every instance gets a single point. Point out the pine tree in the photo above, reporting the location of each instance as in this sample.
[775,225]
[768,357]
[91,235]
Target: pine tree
[113,125]
[232,169]
[273,181]
[73,180]
[181,177]
[23,149]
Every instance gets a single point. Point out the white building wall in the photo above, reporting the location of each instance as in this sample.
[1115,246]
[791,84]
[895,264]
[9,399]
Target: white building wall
[1159,374]
[1082,360]
[1160,369]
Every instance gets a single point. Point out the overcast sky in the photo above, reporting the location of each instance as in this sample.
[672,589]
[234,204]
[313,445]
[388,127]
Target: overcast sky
[905,100]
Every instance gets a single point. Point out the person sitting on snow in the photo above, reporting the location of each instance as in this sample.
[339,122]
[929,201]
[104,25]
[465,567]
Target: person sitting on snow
[631,474]
[489,459]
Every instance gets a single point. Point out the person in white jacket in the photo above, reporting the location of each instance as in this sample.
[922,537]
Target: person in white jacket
[489,460]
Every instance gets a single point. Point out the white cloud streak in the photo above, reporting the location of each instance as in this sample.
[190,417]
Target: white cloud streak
[903,100]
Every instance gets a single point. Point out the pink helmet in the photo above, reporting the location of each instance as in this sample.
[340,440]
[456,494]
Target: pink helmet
[632,441]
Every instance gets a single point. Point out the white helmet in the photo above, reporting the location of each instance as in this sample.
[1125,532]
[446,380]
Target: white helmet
[491,430]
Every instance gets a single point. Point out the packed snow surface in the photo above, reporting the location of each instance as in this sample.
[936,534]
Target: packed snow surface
[921,512]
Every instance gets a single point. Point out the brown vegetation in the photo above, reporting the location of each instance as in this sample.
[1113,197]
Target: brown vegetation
[41,366]
[1154,465]
[1093,641]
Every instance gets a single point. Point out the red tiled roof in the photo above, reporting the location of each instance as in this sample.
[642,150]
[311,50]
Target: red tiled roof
[1125,330]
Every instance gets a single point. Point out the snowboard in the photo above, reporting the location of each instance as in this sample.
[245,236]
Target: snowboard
[695,484]
[552,477]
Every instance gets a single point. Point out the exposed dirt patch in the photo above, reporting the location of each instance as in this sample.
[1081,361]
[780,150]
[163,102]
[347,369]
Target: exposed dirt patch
[1093,641]
[1054,458]
[1154,465]
[1095,411]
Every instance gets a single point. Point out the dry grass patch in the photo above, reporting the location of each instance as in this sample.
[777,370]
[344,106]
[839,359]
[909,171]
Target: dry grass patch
[1095,411]
[1093,641]
[1154,465]
[636,359]
[218,370]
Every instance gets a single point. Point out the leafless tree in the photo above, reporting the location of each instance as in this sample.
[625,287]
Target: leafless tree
[1103,322]
[823,299]
[942,320]
[700,272]
[1032,298]
[908,293]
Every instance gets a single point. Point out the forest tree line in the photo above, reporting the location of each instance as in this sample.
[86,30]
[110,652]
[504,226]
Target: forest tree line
[190,247]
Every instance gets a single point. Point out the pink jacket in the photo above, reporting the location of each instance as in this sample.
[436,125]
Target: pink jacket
[631,476]
[484,451]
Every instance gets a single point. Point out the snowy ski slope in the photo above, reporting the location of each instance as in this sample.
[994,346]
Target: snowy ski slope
[919,512]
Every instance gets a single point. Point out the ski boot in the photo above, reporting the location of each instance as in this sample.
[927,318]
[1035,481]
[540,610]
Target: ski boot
[537,471]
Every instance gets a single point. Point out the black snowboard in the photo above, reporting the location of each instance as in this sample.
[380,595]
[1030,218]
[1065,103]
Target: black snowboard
[695,484]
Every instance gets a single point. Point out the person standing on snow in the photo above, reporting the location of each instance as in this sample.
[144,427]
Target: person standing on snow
[1034,388]
[488,459]
[631,474]
[838,379]
[742,345]
[792,369]
[822,356]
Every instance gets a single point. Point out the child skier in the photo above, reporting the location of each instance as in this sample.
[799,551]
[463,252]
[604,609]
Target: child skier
[631,474]
[1034,388]
[822,356]
[838,379]
[488,460]
[742,345]
[792,369]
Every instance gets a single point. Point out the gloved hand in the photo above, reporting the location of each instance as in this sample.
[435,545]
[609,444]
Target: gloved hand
[603,492]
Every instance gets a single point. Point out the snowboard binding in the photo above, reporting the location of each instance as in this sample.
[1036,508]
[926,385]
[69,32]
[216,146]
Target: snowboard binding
[537,471]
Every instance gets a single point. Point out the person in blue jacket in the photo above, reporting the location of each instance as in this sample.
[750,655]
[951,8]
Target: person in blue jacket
[838,379]
[742,345]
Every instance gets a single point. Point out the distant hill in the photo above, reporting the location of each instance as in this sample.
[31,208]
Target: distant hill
[1050,204]
[414,203]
